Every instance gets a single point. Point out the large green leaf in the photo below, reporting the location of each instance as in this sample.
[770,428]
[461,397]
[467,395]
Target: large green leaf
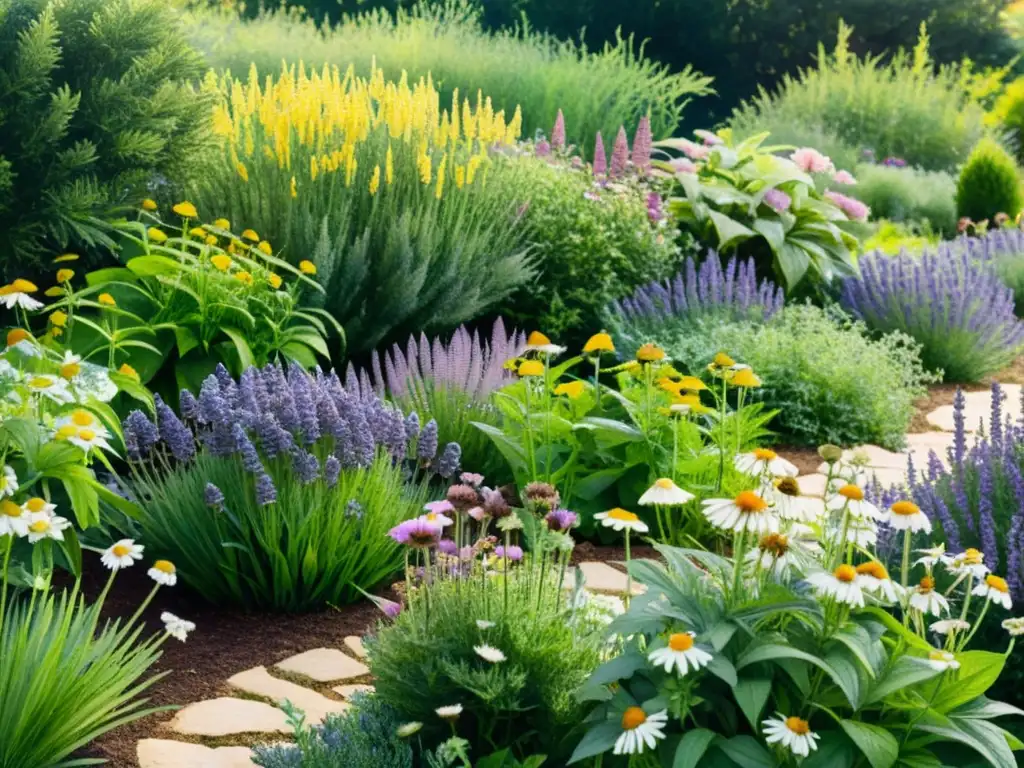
[751,694]
[692,747]
[598,740]
[153,266]
[905,672]
[978,672]
[746,751]
[878,745]
[729,231]
[514,453]
[775,651]
[241,345]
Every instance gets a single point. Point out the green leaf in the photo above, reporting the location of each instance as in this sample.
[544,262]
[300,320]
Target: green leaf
[751,694]
[186,340]
[834,751]
[791,262]
[747,752]
[997,754]
[692,747]
[877,744]
[978,672]
[241,345]
[728,230]
[723,669]
[985,709]
[610,432]
[599,739]
[109,275]
[592,485]
[773,651]
[154,266]
[514,454]
[905,672]
[772,231]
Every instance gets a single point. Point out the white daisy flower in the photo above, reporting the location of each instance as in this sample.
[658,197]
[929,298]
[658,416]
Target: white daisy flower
[747,512]
[163,572]
[996,589]
[681,654]
[175,627]
[772,554]
[925,599]
[907,516]
[88,438]
[620,520]
[38,506]
[51,387]
[538,342]
[784,495]
[762,460]
[851,497]
[841,584]
[121,554]
[873,577]
[933,556]
[489,653]
[8,481]
[640,731]
[791,733]
[970,561]
[666,493]
[46,526]
[405,730]
[14,519]
[1014,626]
[17,295]
[949,626]
[481,624]
[450,712]
[862,533]
[942,660]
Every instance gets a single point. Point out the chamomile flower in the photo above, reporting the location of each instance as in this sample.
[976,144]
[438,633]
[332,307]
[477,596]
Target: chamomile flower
[164,573]
[1014,626]
[666,493]
[841,584]
[680,653]
[538,342]
[907,516]
[971,561]
[489,653]
[405,730]
[8,481]
[121,554]
[51,387]
[932,556]
[46,526]
[772,554]
[620,520]
[749,511]
[449,712]
[640,731]
[925,599]
[874,578]
[38,506]
[790,733]
[13,519]
[942,661]
[175,627]
[850,496]
[89,438]
[949,626]
[785,496]
[762,460]
[996,589]
[17,295]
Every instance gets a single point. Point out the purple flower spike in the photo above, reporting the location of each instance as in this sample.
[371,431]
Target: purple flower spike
[188,405]
[542,149]
[600,156]
[426,448]
[558,132]
[266,493]
[332,469]
[140,435]
[620,154]
[642,144]
[213,496]
[448,464]
[178,437]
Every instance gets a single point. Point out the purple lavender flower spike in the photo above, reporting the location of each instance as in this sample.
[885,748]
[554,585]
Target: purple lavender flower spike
[213,408]
[306,466]
[558,132]
[332,470]
[600,157]
[188,405]
[448,464]
[142,432]
[213,496]
[996,421]
[412,429]
[363,445]
[301,386]
[642,143]
[250,458]
[266,493]
[178,437]
[620,154]
[426,447]
[986,523]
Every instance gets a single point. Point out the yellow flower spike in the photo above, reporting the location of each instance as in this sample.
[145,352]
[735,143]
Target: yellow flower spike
[250,234]
[389,166]
[59,319]
[439,191]
[149,205]
[186,210]
[294,190]
[531,368]
[242,171]
[375,181]
[156,235]
[243,277]
[571,389]
[307,267]
[106,300]
[53,291]
[65,275]
[460,176]
[66,257]
[127,370]
[274,280]
[17,334]
[221,262]
[650,353]
[745,377]
[264,247]
[598,344]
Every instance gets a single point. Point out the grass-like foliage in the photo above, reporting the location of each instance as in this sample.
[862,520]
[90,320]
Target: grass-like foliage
[598,90]
[907,195]
[410,221]
[829,381]
[901,106]
[276,492]
[989,183]
[948,300]
[96,104]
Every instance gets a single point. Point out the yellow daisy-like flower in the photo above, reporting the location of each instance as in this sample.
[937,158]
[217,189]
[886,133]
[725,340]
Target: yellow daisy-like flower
[197,232]
[264,247]
[745,377]
[127,370]
[149,205]
[156,235]
[598,343]
[571,389]
[274,280]
[186,210]
[211,240]
[106,300]
[66,257]
[15,335]
[250,234]
[65,275]
[531,368]
[243,277]
[650,353]
[59,319]
[722,360]
[222,262]
[222,224]
[307,267]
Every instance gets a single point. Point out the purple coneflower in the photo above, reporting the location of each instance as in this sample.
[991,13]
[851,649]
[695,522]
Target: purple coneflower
[418,533]
[514,553]
[778,200]
[441,507]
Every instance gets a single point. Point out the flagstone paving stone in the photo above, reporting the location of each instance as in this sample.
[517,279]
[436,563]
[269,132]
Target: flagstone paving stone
[165,753]
[227,716]
[978,408]
[601,577]
[355,644]
[325,665]
[259,682]
[346,691]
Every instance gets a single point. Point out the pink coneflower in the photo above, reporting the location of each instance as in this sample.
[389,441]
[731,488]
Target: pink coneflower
[561,519]
[695,151]
[620,153]
[477,513]
[447,547]
[683,165]
[558,132]
[710,139]
[514,553]
[844,177]
[642,144]
[418,534]
[811,160]
[600,157]
[778,200]
[472,478]
[854,209]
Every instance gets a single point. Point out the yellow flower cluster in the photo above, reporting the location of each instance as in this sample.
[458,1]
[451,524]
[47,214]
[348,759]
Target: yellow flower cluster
[326,122]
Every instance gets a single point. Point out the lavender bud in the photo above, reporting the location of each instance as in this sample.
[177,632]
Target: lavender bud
[213,496]
[302,391]
[306,466]
[354,510]
[412,427]
[448,464]
[266,493]
[144,432]
[188,405]
[178,437]
[332,469]
[250,458]
[213,408]
[426,448]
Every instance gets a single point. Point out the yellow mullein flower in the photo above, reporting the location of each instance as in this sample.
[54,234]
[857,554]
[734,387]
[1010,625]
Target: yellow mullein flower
[106,300]
[440,177]
[66,257]
[156,235]
[307,267]
[243,277]
[221,262]
[65,275]
[375,180]
[460,176]
[389,166]
[149,205]
[59,319]
[264,247]
[242,171]
[425,168]
[294,188]
[127,370]
[274,280]
[186,210]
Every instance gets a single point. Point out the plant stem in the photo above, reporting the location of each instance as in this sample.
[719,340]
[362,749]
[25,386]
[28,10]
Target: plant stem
[629,576]
[905,574]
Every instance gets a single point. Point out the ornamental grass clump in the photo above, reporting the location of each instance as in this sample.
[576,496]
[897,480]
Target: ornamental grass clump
[397,200]
[275,491]
[951,303]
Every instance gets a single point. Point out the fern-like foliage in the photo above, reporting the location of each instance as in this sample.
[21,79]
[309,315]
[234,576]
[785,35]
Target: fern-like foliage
[94,106]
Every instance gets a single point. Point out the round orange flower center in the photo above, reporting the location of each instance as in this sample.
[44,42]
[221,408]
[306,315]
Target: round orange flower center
[36,504]
[749,502]
[120,550]
[972,557]
[665,483]
[10,509]
[997,583]
[905,508]
[798,726]
[852,492]
[165,566]
[680,641]
[633,718]
[776,543]
[765,454]
[621,514]
[845,573]
[82,418]
[927,584]
[16,335]
[537,339]
[873,568]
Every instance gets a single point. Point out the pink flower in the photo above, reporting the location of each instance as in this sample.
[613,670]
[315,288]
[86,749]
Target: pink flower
[682,165]
[620,153]
[642,144]
[472,478]
[543,149]
[477,513]
[600,158]
[514,552]
[710,139]
[778,200]
[558,132]
[695,151]
[811,161]
[844,177]
[854,209]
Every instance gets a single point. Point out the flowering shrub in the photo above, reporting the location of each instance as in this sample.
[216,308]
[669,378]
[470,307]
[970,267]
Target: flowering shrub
[800,647]
[709,293]
[397,201]
[741,198]
[949,302]
[275,491]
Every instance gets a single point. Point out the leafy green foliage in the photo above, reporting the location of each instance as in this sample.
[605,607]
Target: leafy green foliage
[989,183]
[96,105]
[907,196]
[1008,113]
[829,381]
[903,107]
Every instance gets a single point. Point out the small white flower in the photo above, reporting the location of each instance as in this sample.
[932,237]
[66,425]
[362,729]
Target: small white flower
[948,626]
[46,526]
[619,519]
[970,561]
[8,481]
[907,516]
[640,730]
[747,512]
[841,584]
[405,730]
[791,733]
[164,573]
[481,624]
[931,557]
[175,627]
[925,599]
[772,554]
[1014,626]
[680,653]
[942,660]
[873,577]
[851,497]
[666,493]
[762,460]
[17,295]
[995,589]
[121,554]
[862,533]
[14,519]
[489,653]
[51,387]
[450,712]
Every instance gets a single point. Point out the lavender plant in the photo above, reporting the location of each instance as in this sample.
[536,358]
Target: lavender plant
[953,304]
[708,292]
[1004,249]
[275,491]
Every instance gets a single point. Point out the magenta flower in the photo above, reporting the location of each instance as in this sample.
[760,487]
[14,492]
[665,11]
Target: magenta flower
[447,546]
[844,177]
[682,165]
[561,519]
[418,534]
[600,158]
[514,553]
[778,200]
[710,139]
[543,149]
[620,153]
[654,212]
[558,132]
[811,161]
[642,142]
[854,209]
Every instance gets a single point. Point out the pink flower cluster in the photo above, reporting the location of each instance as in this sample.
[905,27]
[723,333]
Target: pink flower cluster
[854,209]
[812,161]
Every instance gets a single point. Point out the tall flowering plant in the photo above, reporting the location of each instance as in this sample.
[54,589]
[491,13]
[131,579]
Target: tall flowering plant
[797,646]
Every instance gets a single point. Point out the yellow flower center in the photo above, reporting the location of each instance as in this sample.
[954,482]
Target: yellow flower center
[59,319]
[873,568]
[68,430]
[165,566]
[10,509]
[40,382]
[87,434]
[106,300]
[972,557]
[70,370]
[765,454]
[775,543]
[633,718]
[845,573]
[531,368]
[745,378]
[997,583]
[749,502]
[36,505]
[24,286]
[798,726]
[221,262]
[680,641]
[307,267]
[664,483]
[621,514]
[82,418]
[249,234]
[927,585]
[42,525]
[120,550]
[64,275]
[788,486]
[852,492]
[16,335]
[599,342]
[905,508]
